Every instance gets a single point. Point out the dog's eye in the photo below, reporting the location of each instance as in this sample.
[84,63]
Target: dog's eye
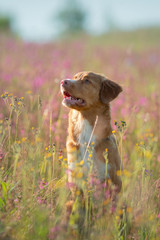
[87,81]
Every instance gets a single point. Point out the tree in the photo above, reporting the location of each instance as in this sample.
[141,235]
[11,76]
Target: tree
[5,24]
[72,18]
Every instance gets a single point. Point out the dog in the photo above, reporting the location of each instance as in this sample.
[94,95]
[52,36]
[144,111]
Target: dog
[88,95]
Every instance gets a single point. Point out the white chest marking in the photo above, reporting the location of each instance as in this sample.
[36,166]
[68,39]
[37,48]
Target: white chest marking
[86,137]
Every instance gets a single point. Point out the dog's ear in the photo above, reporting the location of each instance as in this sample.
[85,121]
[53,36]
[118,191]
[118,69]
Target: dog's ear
[109,91]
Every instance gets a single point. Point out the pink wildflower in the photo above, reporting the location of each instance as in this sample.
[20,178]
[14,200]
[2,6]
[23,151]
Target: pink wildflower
[124,112]
[39,200]
[143,101]
[41,185]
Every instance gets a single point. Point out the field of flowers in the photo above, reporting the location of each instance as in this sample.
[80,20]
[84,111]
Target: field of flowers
[34,193]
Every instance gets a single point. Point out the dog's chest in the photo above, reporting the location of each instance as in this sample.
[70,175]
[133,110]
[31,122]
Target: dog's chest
[86,137]
[85,132]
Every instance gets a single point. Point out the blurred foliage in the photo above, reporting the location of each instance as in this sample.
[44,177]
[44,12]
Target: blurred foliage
[5,23]
[72,18]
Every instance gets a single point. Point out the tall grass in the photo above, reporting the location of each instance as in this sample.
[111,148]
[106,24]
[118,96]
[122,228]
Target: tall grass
[35,200]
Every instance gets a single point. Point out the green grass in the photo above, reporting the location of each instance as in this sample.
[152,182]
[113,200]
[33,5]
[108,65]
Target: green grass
[33,128]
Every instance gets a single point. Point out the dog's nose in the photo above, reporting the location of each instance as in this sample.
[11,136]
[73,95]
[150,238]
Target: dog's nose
[64,82]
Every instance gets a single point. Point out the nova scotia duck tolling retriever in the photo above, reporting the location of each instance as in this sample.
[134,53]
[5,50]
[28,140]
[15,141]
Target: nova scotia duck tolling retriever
[88,95]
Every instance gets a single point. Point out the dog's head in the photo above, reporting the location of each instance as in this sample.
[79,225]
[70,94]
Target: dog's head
[88,89]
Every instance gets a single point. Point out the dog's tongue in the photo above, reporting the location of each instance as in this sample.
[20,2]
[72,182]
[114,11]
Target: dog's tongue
[66,94]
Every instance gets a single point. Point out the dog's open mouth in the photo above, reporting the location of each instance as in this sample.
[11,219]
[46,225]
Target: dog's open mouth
[68,99]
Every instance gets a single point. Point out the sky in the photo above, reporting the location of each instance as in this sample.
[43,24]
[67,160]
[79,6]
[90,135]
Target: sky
[35,20]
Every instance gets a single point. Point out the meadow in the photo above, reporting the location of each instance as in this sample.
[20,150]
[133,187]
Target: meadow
[34,192]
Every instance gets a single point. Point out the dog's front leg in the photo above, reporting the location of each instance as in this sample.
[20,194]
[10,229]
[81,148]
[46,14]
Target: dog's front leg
[72,157]
[77,203]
